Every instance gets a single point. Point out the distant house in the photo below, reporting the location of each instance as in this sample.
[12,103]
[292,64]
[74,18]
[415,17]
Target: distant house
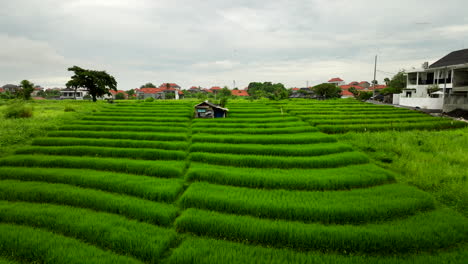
[37,90]
[157,93]
[194,89]
[69,93]
[242,93]
[304,92]
[337,81]
[11,88]
[215,89]
[449,74]
[114,93]
[345,93]
[210,110]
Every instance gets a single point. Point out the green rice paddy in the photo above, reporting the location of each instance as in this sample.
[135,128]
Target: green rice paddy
[147,183]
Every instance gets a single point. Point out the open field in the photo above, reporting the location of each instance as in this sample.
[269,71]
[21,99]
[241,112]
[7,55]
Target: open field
[145,183]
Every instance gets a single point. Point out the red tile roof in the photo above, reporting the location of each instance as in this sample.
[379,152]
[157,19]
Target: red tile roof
[353,83]
[171,85]
[116,92]
[193,88]
[240,93]
[335,80]
[1,90]
[208,90]
[363,82]
[380,86]
[295,89]
[215,88]
[346,87]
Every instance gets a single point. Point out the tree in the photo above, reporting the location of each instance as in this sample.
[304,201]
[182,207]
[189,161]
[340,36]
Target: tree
[327,90]
[120,96]
[274,91]
[387,81]
[396,84]
[27,88]
[148,85]
[130,93]
[98,83]
[225,92]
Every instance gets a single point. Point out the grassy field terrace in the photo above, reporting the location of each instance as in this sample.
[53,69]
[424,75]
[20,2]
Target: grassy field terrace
[146,183]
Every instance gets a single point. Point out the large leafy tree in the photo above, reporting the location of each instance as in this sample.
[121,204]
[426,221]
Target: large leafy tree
[148,85]
[98,83]
[27,88]
[327,90]
[267,89]
[396,84]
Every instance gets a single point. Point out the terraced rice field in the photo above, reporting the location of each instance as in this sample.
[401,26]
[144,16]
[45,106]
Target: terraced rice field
[342,116]
[146,183]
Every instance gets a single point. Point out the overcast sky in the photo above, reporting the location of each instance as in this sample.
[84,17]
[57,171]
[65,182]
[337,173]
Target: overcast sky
[213,42]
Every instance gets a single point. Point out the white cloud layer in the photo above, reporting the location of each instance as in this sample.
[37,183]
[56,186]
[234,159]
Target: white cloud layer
[207,43]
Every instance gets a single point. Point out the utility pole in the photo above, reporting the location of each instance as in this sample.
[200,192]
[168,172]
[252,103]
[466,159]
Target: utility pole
[307,84]
[375,72]
[233,84]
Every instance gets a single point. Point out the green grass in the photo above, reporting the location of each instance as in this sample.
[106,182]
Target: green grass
[268,131]
[246,120]
[273,150]
[150,188]
[111,232]
[435,162]
[303,138]
[372,121]
[367,116]
[426,231]
[120,135]
[164,169]
[324,161]
[354,176]
[248,125]
[427,125]
[133,153]
[144,114]
[375,204]
[34,245]
[63,194]
[166,128]
[102,142]
[207,251]
[254,114]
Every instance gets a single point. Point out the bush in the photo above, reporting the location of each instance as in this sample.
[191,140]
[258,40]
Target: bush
[18,110]
[69,109]
[149,99]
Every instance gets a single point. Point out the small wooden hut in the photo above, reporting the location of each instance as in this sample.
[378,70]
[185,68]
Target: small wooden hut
[210,110]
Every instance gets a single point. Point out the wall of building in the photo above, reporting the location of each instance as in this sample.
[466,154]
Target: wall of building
[422,102]
[455,102]
[396,99]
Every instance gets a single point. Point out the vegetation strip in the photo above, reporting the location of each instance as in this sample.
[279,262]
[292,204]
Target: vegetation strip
[132,207]
[127,123]
[166,128]
[35,245]
[303,138]
[139,119]
[269,131]
[372,121]
[126,237]
[248,125]
[376,203]
[427,231]
[150,188]
[324,161]
[120,135]
[164,169]
[207,251]
[134,153]
[354,176]
[273,150]
[247,120]
[434,125]
[102,142]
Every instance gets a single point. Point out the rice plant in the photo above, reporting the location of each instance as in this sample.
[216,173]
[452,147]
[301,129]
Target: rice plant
[164,169]
[427,125]
[136,119]
[353,176]
[132,153]
[34,245]
[324,161]
[267,131]
[128,123]
[377,203]
[131,207]
[248,125]
[120,135]
[303,138]
[166,128]
[150,188]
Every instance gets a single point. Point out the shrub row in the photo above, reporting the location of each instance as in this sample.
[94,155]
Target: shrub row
[426,231]
[361,116]
[324,161]
[140,240]
[33,245]
[272,113]
[130,112]
[353,111]
[436,125]
[207,251]
[150,188]
[371,121]
[102,142]
[143,114]
[268,131]
[134,208]
[120,135]
[306,138]
[166,128]
[247,120]
[164,169]
[376,203]
[132,153]
[354,176]
[273,150]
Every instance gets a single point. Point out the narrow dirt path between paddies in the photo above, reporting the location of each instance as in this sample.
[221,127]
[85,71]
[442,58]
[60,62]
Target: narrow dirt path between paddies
[146,183]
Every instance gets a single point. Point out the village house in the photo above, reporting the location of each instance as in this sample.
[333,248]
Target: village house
[114,93]
[337,81]
[449,74]
[209,110]
[242,93]
[160,93]
[69,93]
